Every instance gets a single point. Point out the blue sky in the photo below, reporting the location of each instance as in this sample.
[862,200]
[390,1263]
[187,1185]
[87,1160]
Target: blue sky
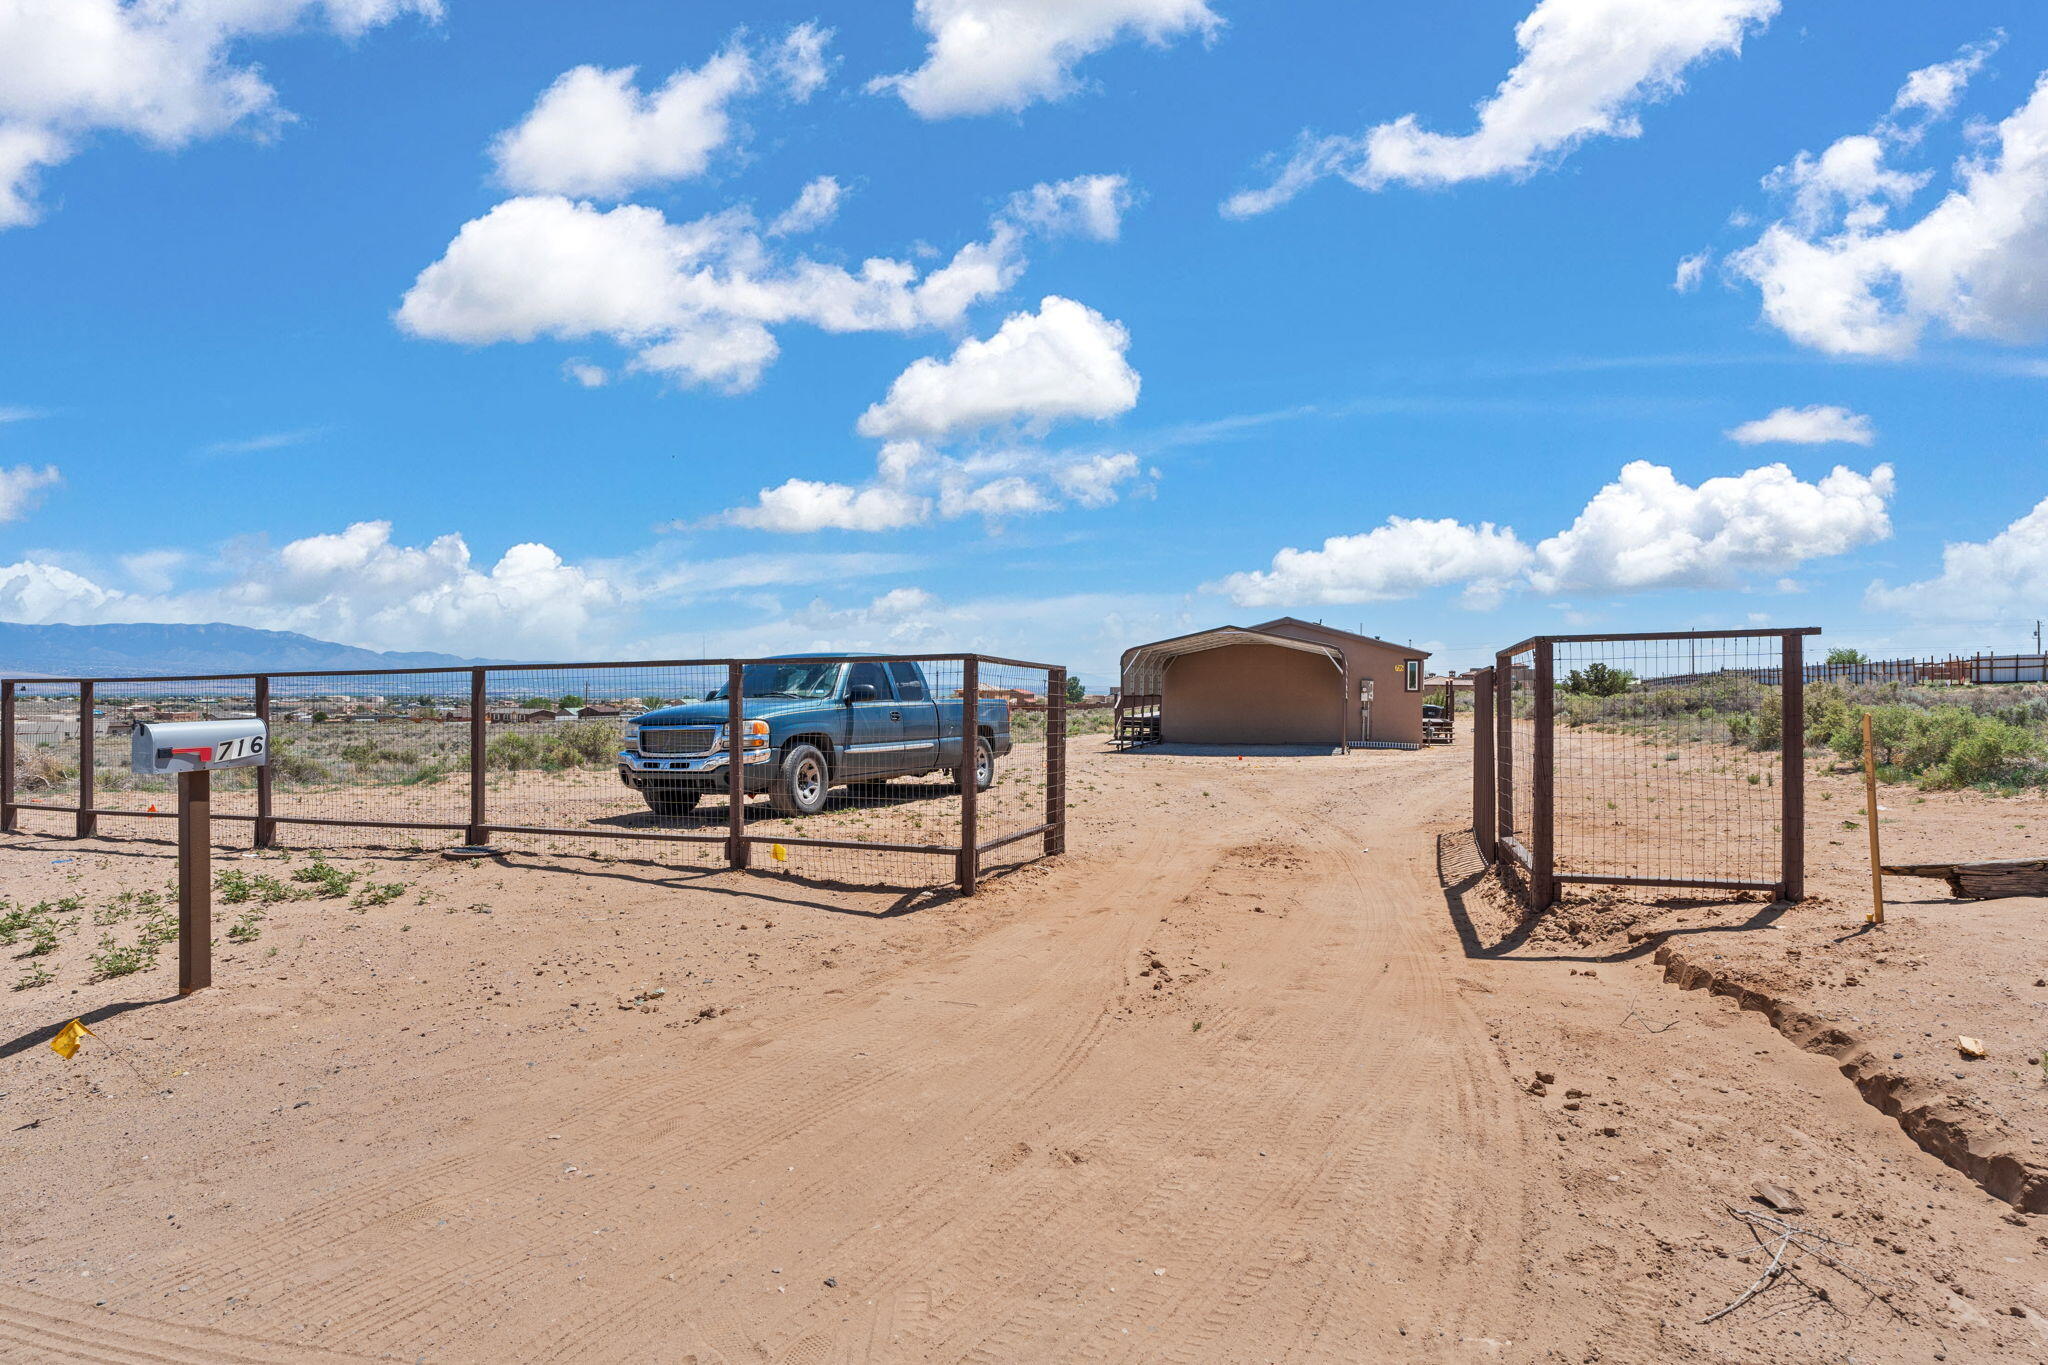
[421,325]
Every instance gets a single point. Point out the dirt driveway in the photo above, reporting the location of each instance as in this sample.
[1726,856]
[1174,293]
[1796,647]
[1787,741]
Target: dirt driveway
[1235,1080]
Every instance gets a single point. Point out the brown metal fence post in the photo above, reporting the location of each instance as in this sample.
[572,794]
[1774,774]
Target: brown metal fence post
[7,807]
[1504,746]
[1484,804]
[1792,777]
[88,823]
[965,774]
[478,832]
[736,848]
[1056,761]
[195,881]
[1543,784]
[266,828]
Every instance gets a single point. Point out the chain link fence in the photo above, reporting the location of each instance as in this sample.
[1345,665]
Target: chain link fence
[909,770]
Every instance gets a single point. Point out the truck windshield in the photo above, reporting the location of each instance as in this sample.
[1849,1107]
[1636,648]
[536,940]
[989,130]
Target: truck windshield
[812,682]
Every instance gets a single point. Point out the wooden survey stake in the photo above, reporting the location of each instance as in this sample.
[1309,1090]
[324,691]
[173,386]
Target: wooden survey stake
[1870,810]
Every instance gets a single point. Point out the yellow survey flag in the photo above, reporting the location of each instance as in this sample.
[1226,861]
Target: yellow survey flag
[778,853]
[65,1044]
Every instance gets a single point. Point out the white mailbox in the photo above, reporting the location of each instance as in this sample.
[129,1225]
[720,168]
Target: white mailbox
[196,746]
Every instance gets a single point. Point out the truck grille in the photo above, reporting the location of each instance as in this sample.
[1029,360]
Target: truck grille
[680,739]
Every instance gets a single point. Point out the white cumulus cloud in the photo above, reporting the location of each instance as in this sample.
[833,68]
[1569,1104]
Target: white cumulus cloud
[800,506]
[594,133]
[1098,480]
[1691,270]
[1091,205]
[1648,530]
[990,55]
[1836,275]
[1405,556]
[1814,425]
[815,205]
[1587,69]
[21,487]
[698,300]
[165,71]
[800,63]
[2003,578]
[356,586]
[1931,92]
[1064,361]
[1645,530]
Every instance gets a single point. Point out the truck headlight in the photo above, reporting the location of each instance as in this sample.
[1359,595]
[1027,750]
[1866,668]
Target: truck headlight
[631,739]
[756,732]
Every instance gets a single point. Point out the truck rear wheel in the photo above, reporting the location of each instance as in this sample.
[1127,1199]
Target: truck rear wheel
[984,766]
[802,782]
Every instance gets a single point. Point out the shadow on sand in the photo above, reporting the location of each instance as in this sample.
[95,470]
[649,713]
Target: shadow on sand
[1460,872]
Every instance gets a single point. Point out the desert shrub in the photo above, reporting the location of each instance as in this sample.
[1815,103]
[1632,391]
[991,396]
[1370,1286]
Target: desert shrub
[427,774]
[42,771]
[289,764]
[14,922]
[374,893]
[325,878]
[512,753]
[1890,728]
[582,742]
[1990,752]
[247,928]
[116,959]
[234,886]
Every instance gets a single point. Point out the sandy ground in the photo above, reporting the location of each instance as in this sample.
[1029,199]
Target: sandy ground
[1253,1073]
[1890,1004]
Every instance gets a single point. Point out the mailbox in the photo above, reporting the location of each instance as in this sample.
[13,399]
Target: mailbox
[197,746]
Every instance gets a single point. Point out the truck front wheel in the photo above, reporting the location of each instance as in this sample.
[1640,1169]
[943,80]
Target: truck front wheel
[984,766]
[802,782]
[671,803]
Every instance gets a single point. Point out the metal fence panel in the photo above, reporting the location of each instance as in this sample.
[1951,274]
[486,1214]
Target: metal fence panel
[936,769]
[1666,759]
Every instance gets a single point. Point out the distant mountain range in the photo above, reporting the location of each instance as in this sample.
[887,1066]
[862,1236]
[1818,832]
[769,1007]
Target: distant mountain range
[142,650]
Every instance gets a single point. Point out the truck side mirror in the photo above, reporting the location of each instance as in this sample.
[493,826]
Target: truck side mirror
[861,692]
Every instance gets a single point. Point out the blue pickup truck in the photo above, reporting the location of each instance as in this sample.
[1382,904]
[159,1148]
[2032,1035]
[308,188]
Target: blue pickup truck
[810,725]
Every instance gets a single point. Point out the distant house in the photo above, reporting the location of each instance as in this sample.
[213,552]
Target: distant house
[600,712]
[1285,681]
[1016,696]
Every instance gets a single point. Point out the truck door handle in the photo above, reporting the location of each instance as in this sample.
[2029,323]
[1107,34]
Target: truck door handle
[895,715]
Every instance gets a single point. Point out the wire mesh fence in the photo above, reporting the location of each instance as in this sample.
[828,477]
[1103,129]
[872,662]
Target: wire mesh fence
[1515,715]
[910,771]
[1672,759]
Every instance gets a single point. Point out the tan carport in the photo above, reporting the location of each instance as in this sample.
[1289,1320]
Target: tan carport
[1233,685]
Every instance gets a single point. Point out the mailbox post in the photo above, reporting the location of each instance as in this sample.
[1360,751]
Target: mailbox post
[191,750]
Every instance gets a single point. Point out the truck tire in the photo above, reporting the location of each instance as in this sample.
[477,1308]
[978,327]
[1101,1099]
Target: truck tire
[984,766]
[802,782]
[670,803]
